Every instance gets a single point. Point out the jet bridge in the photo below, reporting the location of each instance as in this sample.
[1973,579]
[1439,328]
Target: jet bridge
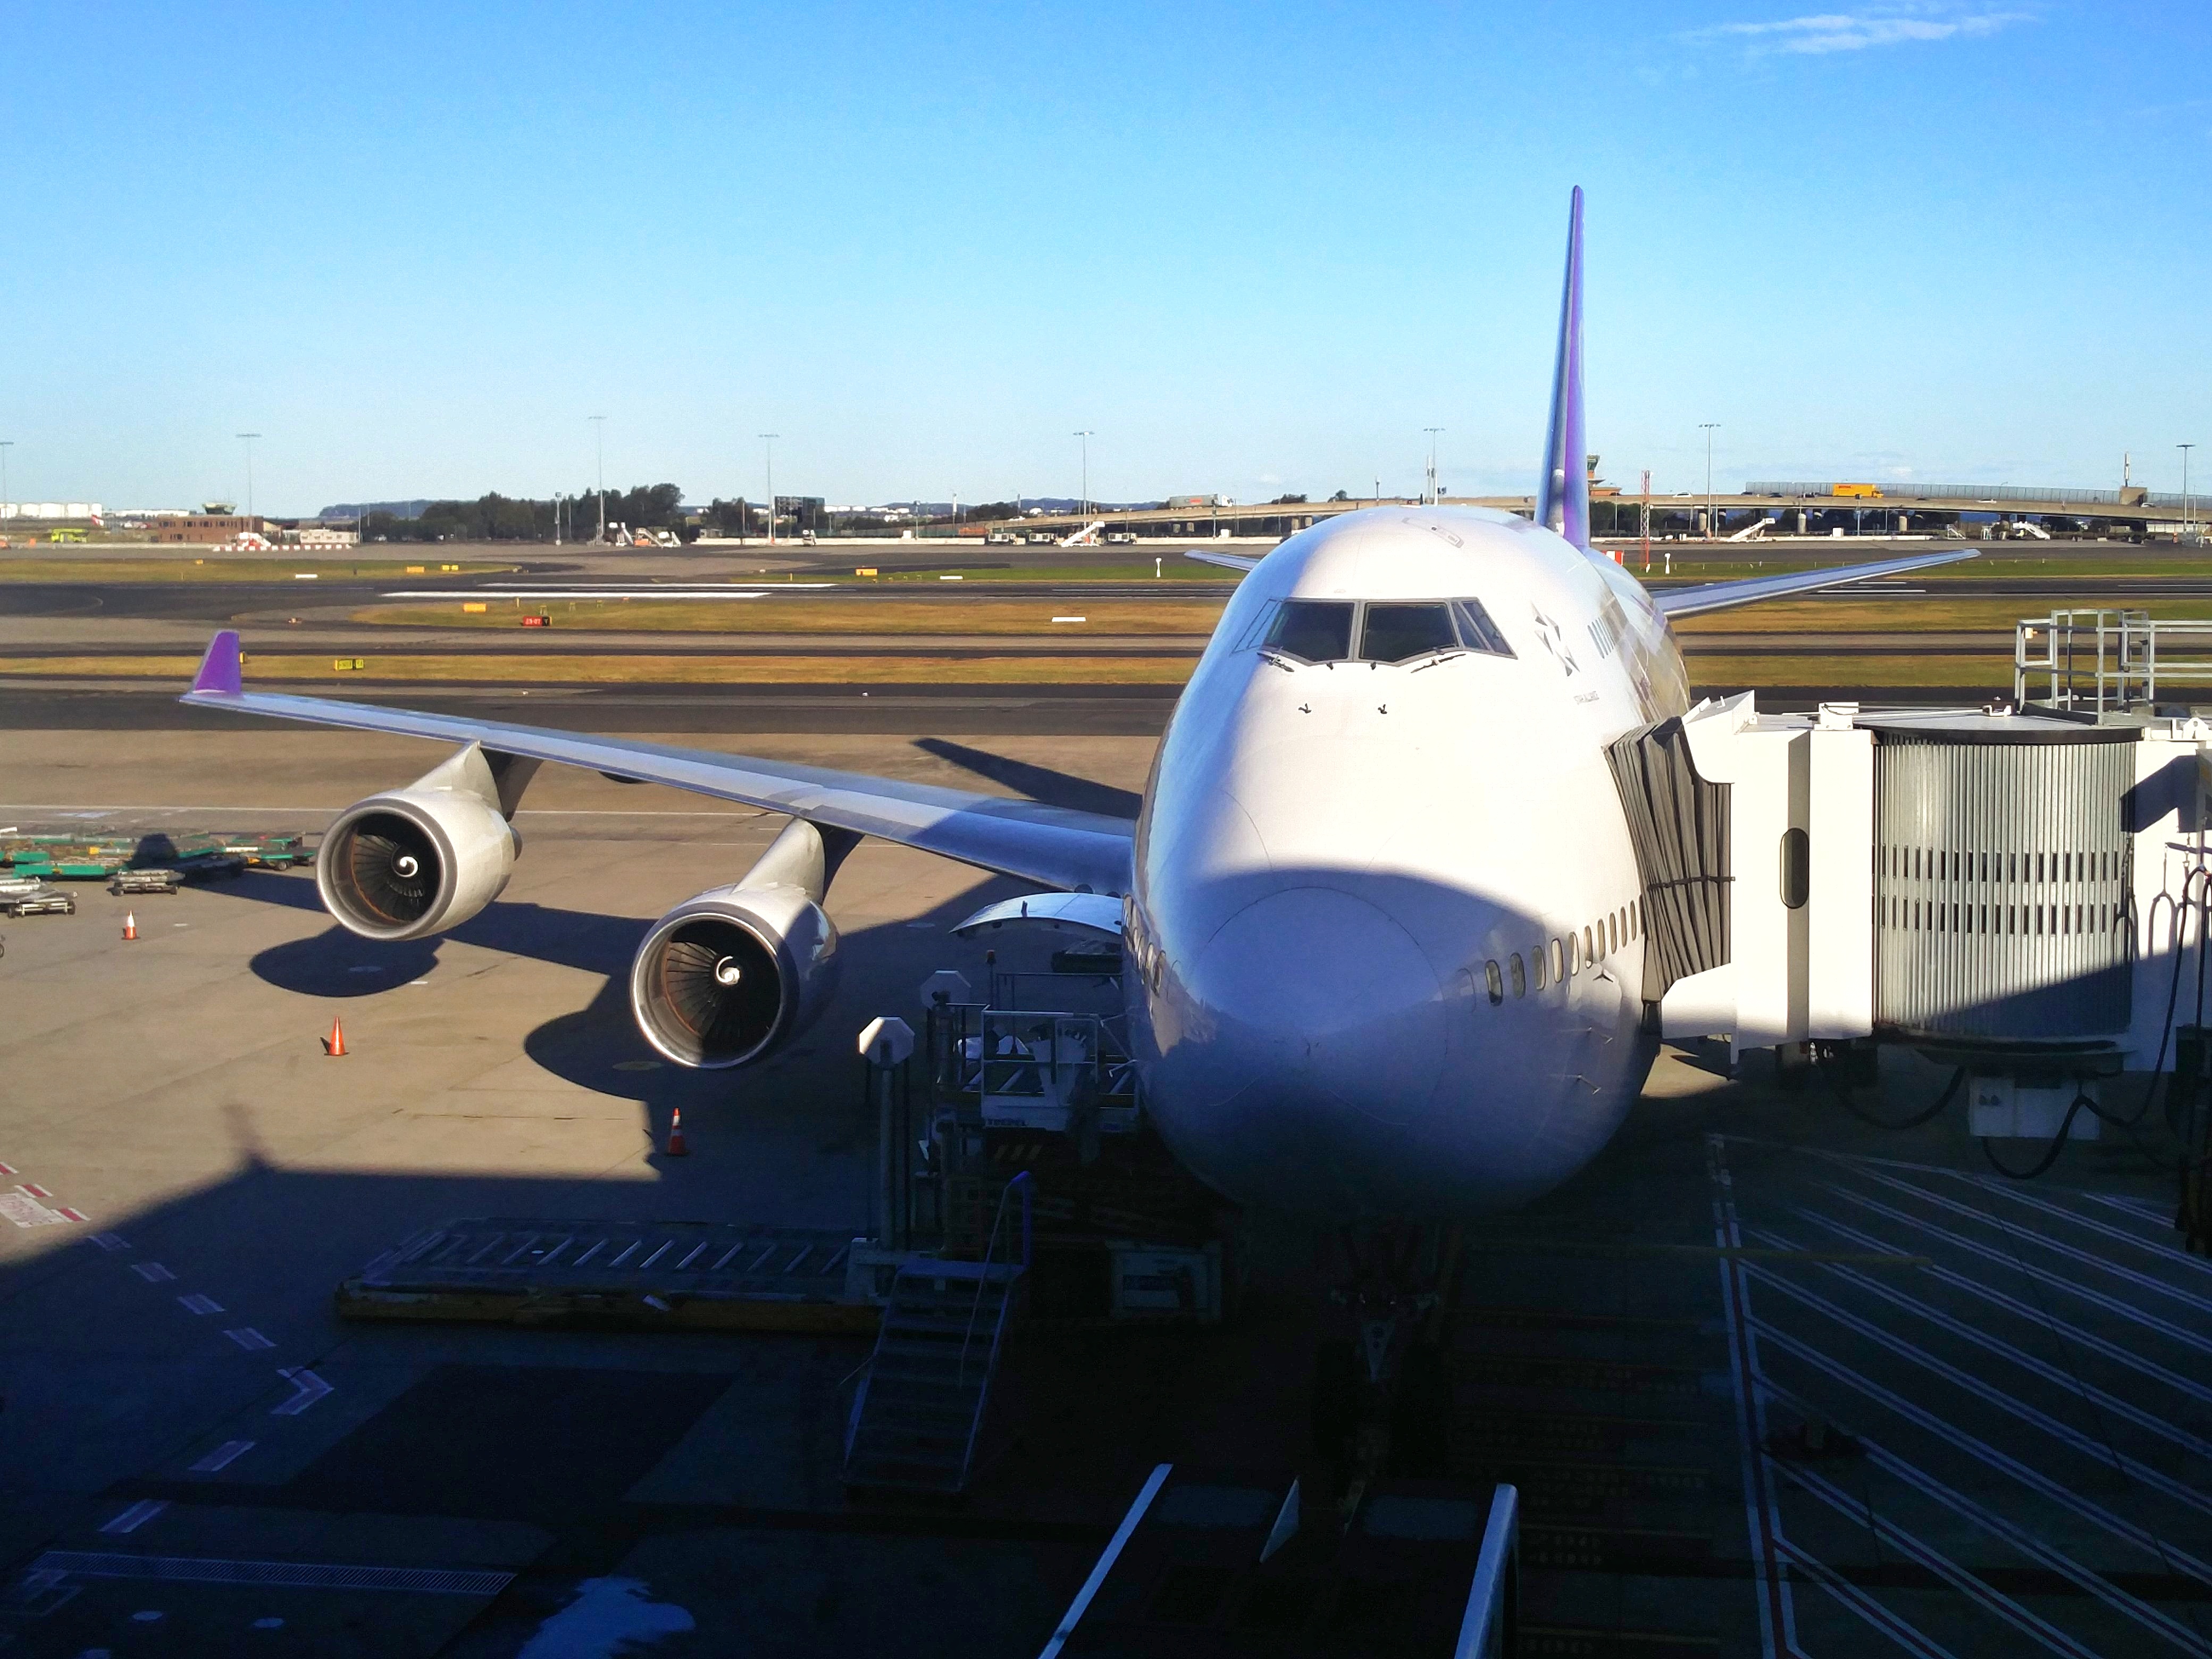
[2018,893]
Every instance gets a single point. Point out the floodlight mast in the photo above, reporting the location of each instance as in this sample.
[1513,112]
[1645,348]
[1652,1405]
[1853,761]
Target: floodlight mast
[599,441]
[1712,525]
[769,439]
[249,437]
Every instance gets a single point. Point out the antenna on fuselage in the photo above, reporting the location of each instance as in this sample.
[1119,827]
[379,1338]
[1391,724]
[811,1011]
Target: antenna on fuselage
[1563,494]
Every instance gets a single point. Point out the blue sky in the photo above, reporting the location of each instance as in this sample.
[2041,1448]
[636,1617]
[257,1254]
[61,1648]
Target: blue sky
[1255,248]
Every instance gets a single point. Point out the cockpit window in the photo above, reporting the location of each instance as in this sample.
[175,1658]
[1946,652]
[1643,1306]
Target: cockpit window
[1315,631]
[1476,631]
[1394,633]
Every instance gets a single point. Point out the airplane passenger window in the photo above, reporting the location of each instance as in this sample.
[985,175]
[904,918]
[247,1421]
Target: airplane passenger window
[1476,630]
[1589,951]
[1491,978]
[1518,975]
[1314,630]
[1395,633]
[1536,961]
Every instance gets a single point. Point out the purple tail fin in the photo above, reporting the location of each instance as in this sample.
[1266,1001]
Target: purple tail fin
[219,669]
[1563,495]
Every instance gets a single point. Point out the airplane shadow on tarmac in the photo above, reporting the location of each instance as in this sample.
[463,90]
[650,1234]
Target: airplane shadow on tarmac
[597,1047]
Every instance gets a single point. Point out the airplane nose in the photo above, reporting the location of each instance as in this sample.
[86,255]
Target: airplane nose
[1318,1000]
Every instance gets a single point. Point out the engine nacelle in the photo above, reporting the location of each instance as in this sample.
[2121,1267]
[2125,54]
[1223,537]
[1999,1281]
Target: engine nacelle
[726,977]
[413,862]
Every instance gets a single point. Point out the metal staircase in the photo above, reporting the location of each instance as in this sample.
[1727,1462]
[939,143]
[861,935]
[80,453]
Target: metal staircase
[918,1417]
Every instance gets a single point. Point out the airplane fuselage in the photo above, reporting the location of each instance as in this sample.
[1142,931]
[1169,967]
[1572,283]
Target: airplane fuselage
[1386,933]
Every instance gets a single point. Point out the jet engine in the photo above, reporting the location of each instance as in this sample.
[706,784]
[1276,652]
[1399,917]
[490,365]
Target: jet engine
[427,857]
[414,862]
[729,975]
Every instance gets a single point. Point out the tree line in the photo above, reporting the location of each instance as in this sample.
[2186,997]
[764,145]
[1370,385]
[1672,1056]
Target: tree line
[497,518]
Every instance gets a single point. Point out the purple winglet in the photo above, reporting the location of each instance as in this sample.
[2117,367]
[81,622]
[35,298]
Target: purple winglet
[219,670]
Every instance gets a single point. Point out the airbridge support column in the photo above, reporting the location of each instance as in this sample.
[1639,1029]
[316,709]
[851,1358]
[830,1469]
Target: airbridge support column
[1800,952]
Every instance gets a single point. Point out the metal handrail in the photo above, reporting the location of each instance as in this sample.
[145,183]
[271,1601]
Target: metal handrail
[983,1277]
[1492,1627]
[999,1325]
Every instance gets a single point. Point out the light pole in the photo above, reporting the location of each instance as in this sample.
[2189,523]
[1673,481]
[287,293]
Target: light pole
[249,437]
[1713,526]
[7,501]
[1084,438]
[1432,431]
[599,446]
[769,439]
[2188,507]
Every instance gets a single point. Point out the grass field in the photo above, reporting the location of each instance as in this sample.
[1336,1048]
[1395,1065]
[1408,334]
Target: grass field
[1995,562]
[51,567]
[967,614]
[582,669]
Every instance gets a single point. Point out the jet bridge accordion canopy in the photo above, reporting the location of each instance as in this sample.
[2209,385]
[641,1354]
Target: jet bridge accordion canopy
[1678,822]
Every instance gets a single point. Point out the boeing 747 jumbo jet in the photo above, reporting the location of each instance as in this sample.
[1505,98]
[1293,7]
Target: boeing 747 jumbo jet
[1384,923]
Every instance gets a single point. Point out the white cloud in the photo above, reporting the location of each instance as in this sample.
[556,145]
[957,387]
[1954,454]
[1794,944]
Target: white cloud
[1831,32]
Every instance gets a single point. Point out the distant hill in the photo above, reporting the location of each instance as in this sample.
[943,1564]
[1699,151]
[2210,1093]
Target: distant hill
[354,509]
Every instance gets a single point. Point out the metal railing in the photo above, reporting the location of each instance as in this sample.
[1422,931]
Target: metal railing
[2107,661]
[1492,1627]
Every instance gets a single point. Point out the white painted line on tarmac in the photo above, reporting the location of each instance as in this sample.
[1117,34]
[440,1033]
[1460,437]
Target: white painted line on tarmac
[311,1389]
[152,1271]
[74,1213]
[2119,1353]
[2026,1542]
[26,1211]
[222,1457]
[199,1304]
[2057,1282]
[34,1190]
[136,1516]
[2097,1451]
[10,1169]
[294,1574]
[1949,1434]
[249,1339]
[1966,1584]
[1906,1636]
[2151,1422]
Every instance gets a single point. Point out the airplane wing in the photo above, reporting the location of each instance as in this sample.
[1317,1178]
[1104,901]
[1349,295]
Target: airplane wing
[1056,846]
[1227,561]
[1719,596]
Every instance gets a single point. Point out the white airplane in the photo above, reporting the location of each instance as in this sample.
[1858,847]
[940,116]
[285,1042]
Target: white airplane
[1384,923]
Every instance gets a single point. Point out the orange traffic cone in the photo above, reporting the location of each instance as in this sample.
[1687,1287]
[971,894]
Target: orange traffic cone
[334,1044]
[675,1147]
[130,924]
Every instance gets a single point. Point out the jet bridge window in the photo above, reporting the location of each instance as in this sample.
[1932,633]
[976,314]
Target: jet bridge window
[1398,633]
[1313,631]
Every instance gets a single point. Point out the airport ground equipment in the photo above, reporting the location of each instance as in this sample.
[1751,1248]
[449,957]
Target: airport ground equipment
[1227,1563]
[648,1275]
[39,900]
[2016,894]
[145,881]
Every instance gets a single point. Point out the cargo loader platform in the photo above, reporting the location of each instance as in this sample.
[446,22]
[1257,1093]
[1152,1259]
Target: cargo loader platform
[666,1275]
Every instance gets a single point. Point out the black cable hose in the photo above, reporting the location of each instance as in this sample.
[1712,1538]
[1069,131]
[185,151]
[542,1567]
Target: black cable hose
[1843,1093]
[2051,1153]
